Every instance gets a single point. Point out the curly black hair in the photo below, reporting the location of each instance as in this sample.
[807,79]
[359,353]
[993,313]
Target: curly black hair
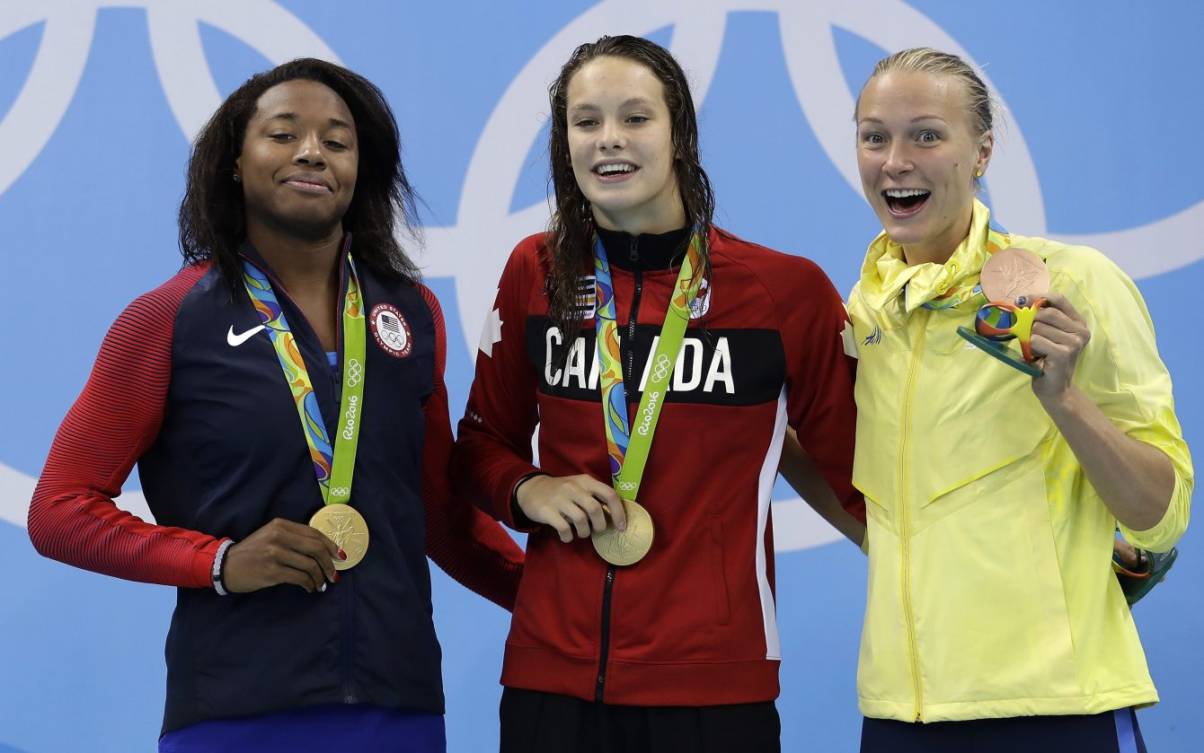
[212,214]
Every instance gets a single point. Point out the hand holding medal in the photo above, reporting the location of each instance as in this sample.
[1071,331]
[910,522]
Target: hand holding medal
[571,505]
[1059,335]
[1015,282]
[281,552]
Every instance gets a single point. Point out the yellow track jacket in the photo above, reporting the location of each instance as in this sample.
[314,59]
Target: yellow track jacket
[990,587]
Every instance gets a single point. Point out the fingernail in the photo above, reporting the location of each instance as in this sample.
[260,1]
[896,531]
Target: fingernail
[623,526]
[335,579]
[322,588]
[342,554]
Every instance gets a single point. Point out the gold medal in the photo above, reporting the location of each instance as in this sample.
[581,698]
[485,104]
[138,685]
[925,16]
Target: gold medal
[343,525]
[629,546]
[1014,272]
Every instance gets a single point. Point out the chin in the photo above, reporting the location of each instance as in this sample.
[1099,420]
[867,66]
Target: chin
[906,236]
[904,232]
[615,208]
[310,225]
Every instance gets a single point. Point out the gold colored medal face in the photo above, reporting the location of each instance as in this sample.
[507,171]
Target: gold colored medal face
[1014,272]
[343,525]
[629,546]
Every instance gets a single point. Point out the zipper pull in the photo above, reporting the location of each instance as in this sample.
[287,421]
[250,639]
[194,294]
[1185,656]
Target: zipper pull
[634,253]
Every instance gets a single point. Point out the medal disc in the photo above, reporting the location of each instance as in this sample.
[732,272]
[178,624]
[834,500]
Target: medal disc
[343,525]
[628,546]
[1014,272]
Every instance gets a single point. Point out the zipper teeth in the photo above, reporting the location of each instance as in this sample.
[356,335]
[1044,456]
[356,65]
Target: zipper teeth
[905,580]
[604,652]
[348,642]
[632,323]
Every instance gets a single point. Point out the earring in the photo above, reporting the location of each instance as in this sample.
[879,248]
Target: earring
[238,178]
[977,174]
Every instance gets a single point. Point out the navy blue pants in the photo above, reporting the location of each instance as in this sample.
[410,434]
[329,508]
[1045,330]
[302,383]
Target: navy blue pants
[1110,732]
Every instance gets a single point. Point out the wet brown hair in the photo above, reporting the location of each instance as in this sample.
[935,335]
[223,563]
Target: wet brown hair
[570,239]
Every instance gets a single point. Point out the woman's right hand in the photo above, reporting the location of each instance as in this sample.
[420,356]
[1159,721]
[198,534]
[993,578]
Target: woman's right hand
[283,551]
[571,504]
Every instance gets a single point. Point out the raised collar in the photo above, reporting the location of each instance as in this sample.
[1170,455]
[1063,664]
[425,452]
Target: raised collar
[885,273]
[646,251]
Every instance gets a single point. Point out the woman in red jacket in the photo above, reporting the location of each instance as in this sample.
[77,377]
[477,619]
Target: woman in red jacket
[645,617]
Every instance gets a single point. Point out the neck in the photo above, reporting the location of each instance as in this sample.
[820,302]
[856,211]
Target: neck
[305,266]
[938,250]
[914,255]
[657,220]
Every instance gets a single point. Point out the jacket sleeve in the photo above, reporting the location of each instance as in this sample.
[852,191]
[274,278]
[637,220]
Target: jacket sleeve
[819,400]
[116,418]
[1121,371]
[493,448]
[467,544]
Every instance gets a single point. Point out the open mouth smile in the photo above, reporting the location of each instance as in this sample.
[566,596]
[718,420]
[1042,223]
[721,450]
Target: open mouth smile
[614,171]
[905,202]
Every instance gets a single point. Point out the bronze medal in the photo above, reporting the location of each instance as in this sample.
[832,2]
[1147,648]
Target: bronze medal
[629,546]
[1012,273]
[343,524]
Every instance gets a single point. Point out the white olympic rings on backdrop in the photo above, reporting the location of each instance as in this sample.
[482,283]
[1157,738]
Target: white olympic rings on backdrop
[474,249]
[469,250]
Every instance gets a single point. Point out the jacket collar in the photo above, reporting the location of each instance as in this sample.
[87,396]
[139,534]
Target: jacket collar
[645,251]
[886,275]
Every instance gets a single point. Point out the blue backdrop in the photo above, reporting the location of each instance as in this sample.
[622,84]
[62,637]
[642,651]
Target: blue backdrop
[98,102]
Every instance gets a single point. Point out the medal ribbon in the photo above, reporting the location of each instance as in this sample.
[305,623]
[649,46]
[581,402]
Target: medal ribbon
[333,468]
[629,453]
[956,296]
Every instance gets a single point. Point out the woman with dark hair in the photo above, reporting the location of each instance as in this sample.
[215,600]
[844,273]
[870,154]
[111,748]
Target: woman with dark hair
[296,345]
[993,490]
[645,618]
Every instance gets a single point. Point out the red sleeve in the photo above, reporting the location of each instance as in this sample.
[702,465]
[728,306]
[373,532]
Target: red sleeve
[116,418]
[493,449]
[820,403]
[467,544]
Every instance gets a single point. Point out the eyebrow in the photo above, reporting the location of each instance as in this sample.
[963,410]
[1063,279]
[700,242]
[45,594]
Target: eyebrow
[632,101]
[292,116]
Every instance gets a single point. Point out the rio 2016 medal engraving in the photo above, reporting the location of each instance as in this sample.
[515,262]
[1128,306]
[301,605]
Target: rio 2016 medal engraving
[343,525]
[1014,272]
[628,546]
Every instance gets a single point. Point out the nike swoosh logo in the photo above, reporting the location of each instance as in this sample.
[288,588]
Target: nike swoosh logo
[235,340]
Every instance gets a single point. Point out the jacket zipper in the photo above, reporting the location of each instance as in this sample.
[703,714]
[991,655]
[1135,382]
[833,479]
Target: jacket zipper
[904,520]
[600,685]
[608,585]
[634,255]
[346,586]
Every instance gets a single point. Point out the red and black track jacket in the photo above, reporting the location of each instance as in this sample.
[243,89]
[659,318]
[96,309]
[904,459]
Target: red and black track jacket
[694,622]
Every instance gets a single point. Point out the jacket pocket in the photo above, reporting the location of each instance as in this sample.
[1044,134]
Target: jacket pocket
[965,455]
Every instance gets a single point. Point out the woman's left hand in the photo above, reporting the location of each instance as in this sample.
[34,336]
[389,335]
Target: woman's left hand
[1059,335]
